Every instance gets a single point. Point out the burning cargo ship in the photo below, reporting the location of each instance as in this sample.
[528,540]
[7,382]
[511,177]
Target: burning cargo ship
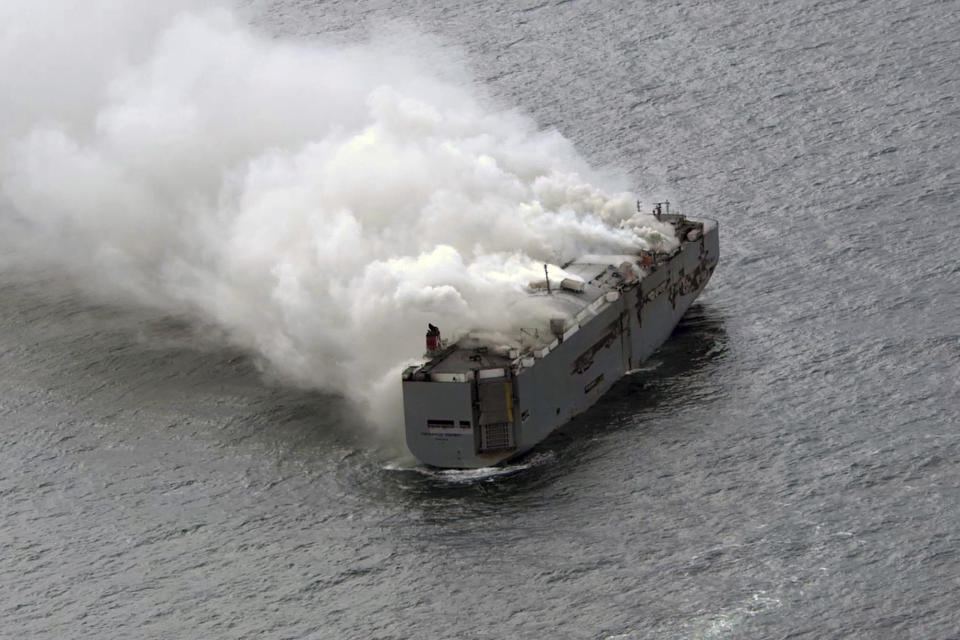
[474,404]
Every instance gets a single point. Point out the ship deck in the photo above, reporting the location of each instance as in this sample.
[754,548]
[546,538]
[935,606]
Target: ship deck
[600,275]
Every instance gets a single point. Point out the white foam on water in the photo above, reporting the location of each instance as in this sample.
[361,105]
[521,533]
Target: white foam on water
[721,625]
[471,476]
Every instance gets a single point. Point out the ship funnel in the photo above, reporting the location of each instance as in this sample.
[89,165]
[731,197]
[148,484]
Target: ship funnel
[434,343]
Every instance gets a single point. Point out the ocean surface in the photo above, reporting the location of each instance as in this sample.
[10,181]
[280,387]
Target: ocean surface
[786,466]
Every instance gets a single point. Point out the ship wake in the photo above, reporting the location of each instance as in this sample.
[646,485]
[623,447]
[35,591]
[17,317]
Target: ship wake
[480,475]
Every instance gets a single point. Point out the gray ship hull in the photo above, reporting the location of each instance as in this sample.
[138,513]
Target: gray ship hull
[489,408]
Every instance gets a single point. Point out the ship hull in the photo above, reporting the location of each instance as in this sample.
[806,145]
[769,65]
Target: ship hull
[485,421]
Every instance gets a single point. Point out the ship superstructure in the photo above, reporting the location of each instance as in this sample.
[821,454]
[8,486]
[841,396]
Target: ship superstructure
[474,404]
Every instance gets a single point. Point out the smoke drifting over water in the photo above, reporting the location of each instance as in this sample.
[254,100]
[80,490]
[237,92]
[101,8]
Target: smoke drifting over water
[321,204]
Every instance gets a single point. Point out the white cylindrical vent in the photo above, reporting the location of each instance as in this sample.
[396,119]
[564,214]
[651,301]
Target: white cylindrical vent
[572,285]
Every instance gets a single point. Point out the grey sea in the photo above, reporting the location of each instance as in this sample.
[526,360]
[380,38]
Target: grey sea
[787,466]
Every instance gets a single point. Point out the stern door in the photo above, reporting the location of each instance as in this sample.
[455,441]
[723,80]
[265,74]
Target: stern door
[495,415]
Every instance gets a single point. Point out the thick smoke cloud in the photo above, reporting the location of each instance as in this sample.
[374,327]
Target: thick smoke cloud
[320,204]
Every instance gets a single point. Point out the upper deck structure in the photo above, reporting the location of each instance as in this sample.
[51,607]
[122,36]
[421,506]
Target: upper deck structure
[478,403]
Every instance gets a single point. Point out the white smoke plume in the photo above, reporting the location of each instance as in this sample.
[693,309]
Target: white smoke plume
[319,203]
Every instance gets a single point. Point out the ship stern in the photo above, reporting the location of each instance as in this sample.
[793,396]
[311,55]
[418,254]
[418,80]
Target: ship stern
[459,424]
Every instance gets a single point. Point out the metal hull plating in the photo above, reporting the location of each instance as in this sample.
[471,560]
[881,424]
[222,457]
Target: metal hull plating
[479,419]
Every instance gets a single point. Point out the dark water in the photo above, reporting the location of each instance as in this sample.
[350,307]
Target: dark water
[786,467]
